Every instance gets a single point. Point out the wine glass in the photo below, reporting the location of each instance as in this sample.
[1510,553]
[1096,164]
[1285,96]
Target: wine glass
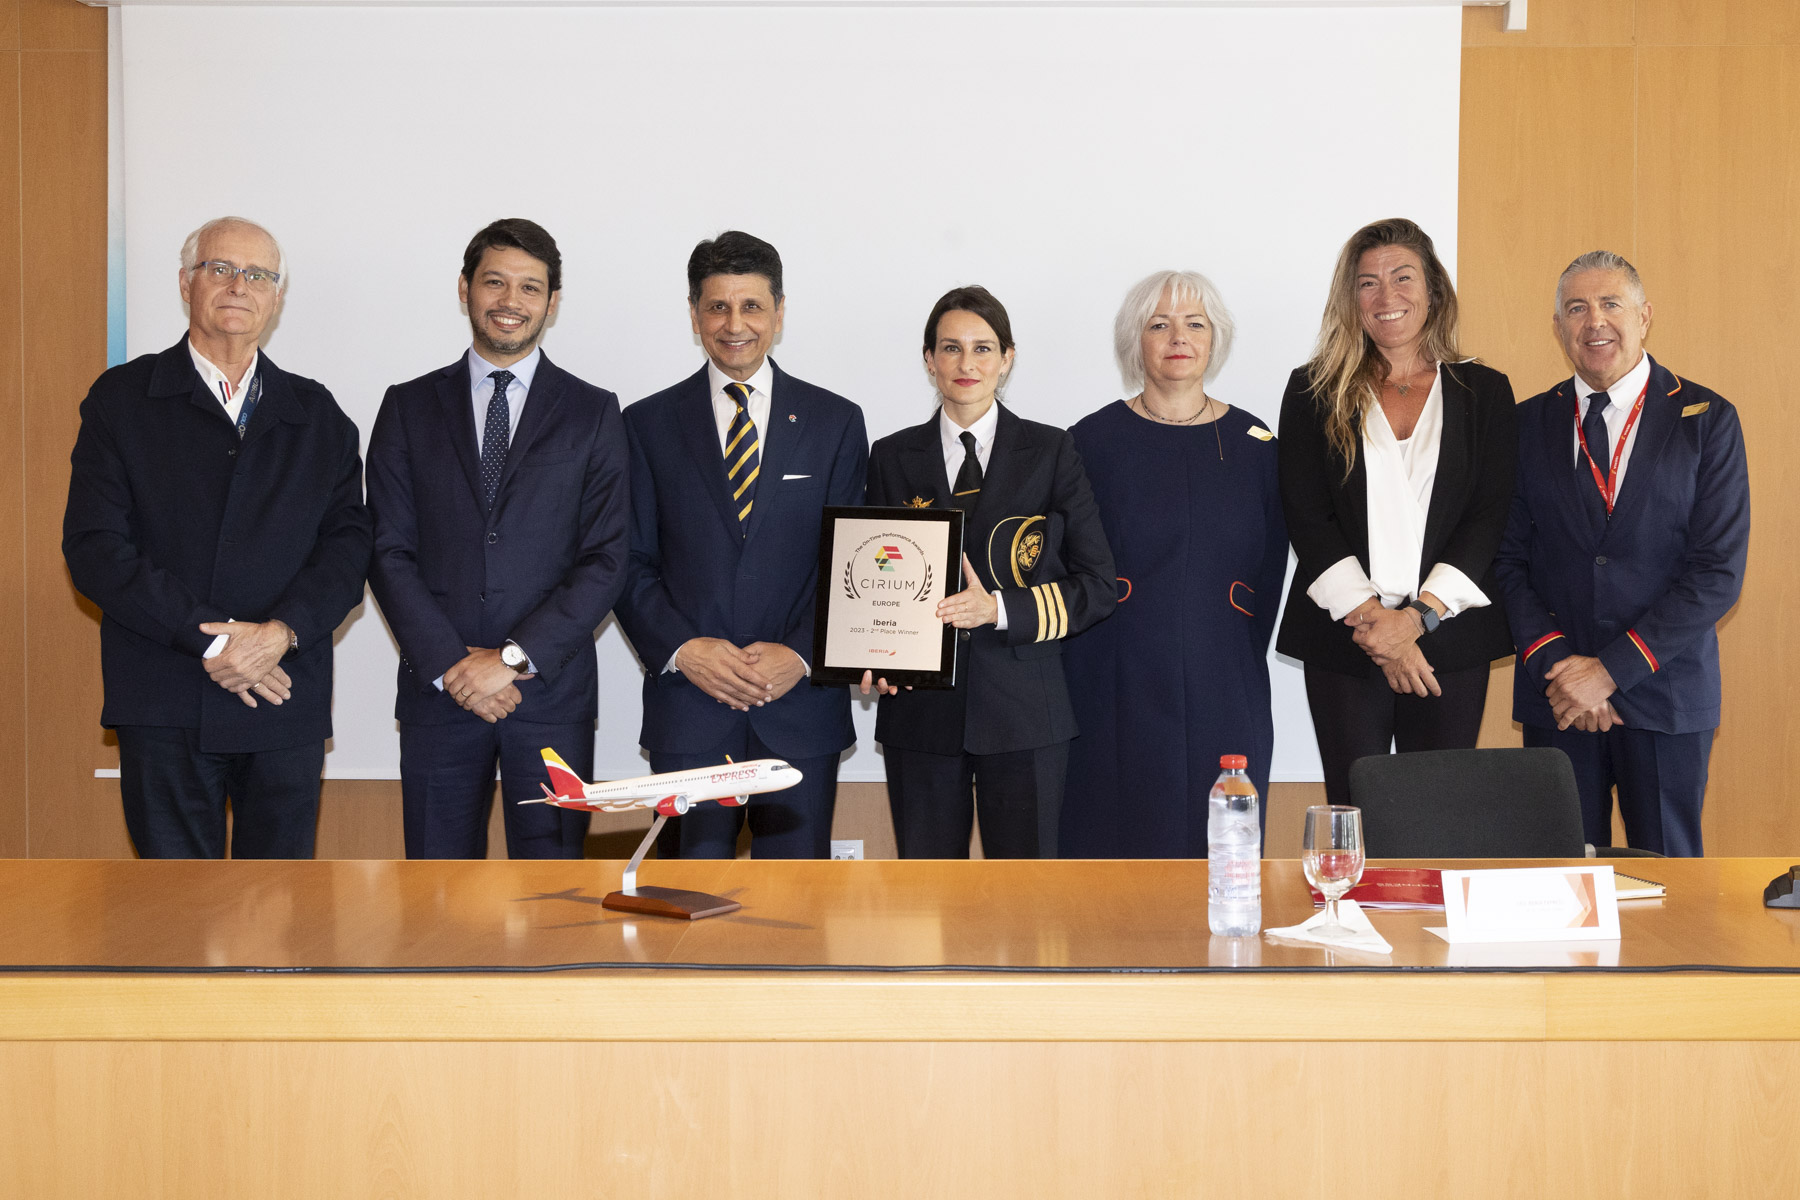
[1333,860]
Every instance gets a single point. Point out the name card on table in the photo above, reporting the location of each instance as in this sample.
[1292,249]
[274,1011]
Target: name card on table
[1531,904]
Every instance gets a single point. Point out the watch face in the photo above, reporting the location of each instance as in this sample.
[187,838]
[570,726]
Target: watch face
[512,656]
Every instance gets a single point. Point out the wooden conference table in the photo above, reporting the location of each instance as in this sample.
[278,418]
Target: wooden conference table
[1064,1029]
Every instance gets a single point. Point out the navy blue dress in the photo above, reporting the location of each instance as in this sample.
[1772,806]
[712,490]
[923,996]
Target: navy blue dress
[1179,674]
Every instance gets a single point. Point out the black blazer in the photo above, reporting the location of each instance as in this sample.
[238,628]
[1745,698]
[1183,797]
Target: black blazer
[1012,695]
[173,520]
[695,573]
[1327,519]
[542,569]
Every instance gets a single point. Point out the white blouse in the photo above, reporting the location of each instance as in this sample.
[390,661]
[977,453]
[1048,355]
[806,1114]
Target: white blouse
[1399,476]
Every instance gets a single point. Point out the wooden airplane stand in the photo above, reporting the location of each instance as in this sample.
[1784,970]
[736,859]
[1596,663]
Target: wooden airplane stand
[669,902]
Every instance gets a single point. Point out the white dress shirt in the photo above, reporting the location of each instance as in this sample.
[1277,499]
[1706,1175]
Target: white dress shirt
[481,390]
[1399,477]
[1621,399]
[725,404]
[950,436]
[230,394]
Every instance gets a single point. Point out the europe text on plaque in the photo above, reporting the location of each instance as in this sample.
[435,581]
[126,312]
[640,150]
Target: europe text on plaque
[882,573]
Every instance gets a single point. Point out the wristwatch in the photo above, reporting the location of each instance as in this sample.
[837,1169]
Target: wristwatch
[514,656]
[1427,615]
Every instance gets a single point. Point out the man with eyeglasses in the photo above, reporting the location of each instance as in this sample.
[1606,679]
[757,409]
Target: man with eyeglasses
[216,518]
[500,495]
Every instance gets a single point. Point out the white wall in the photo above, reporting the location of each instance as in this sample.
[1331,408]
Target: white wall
[1055,155]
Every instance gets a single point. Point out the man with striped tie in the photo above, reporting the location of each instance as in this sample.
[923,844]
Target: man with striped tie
[499,488]
[216,518]
[730,471]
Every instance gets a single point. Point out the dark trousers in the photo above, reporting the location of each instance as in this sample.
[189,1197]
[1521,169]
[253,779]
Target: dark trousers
[175,796]
[1356,717]
[935,799]
[1661,779]
[795,823]
[447,787]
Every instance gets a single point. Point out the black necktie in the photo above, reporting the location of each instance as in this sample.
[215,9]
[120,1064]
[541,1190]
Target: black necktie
[1599,445]
[968,479]
[743,455]
[496,435]
[1593,430]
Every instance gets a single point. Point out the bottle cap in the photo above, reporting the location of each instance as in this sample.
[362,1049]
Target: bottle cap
[1233,762]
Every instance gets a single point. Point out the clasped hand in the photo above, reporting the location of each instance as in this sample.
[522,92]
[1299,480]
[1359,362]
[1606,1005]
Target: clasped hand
[1580,690]
[483,684]
[249,665]
[743,677]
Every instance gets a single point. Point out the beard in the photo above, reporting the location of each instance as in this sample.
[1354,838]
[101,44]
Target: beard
[518,343]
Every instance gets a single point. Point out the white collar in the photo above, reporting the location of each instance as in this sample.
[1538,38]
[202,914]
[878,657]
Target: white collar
[762,381]
[523,371]
[983,429]
[1624,393]
[213,377]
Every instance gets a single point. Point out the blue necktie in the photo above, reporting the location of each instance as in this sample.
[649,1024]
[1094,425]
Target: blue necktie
[495,436]
[743,455]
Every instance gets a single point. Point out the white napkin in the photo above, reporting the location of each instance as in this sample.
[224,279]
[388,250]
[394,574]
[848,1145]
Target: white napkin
[1362,934]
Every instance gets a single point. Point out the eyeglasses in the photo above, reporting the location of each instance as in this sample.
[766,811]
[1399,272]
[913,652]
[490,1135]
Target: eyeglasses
[260,278]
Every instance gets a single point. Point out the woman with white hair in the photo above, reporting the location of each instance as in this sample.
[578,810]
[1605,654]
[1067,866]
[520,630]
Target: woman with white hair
[1188,495]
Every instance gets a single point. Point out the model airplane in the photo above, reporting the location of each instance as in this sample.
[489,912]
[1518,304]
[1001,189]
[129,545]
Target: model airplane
[671,793]
[667,795]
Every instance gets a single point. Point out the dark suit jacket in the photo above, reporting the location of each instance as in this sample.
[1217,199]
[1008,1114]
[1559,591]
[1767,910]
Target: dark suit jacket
[173,520]
[1643,591]
[1328,518]
[1011,695]
[541,569]
[694,573]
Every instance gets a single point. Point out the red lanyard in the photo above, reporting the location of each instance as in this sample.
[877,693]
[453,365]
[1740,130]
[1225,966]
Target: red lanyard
[1609,483]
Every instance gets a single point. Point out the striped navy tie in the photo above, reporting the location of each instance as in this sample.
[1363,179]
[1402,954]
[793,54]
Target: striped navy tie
[743,455]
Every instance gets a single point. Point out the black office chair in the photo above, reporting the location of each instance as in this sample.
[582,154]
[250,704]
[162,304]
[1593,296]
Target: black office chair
[1469,804]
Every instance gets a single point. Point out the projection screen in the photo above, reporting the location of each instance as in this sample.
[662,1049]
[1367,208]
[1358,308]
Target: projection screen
[1055,154]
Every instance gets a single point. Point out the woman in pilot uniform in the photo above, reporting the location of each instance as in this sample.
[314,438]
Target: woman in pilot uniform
[1037,569]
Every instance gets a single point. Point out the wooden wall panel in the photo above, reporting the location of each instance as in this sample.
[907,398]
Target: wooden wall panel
[1719,247]
[9,36]
[1552,23]
[1717,22]
[14,822]
[62,25]
[63,152]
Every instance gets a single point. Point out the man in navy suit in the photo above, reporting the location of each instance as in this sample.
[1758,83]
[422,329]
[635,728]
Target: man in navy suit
[1626,545]
[216,517]
[499,486]
[730,471]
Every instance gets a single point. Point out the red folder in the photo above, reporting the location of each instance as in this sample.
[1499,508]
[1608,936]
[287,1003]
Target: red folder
[1395,888]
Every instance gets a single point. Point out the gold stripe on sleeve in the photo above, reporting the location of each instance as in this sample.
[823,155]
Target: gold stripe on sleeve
[1062,612]
[1038,597]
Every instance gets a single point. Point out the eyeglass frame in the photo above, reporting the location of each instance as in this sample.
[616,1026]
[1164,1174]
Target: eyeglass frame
[274,277]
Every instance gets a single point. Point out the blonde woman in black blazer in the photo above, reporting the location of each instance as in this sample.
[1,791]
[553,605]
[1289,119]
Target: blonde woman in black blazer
[1036,560]
[1397,460]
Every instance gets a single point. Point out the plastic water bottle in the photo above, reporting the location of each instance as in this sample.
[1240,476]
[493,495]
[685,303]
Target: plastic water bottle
[1233,853]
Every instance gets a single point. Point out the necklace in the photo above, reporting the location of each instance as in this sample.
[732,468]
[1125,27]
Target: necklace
[1144,407]
[1140,404]
[1404,388]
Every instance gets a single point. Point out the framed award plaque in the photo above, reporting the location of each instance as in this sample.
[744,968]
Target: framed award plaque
[882,572]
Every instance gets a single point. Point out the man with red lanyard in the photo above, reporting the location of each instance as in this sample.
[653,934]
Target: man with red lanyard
[1629,530]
